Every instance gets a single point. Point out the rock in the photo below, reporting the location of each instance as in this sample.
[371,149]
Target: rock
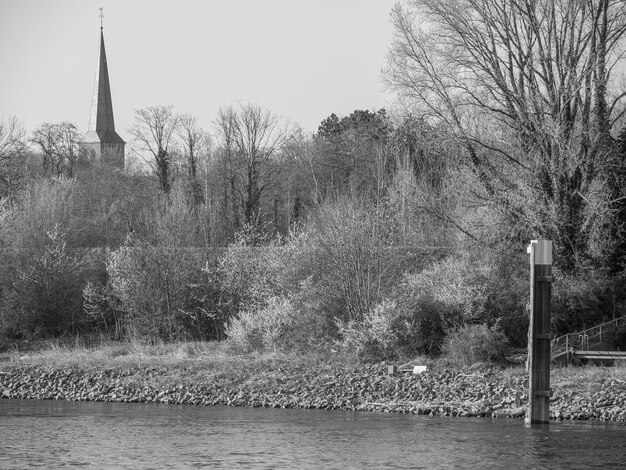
[479,393]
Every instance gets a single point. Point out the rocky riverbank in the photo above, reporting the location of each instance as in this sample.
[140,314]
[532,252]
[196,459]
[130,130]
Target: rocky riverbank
[478,393]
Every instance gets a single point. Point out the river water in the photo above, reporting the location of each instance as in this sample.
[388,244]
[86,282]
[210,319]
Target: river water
[54,434]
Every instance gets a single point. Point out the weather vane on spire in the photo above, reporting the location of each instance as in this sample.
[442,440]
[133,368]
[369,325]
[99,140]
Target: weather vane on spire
[101,18]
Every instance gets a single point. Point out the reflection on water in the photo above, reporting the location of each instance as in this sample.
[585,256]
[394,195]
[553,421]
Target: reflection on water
[51,434]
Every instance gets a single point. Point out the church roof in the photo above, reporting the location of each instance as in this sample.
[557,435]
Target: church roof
[101,124]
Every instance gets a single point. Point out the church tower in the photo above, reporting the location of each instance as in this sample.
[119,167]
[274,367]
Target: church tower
[101,143]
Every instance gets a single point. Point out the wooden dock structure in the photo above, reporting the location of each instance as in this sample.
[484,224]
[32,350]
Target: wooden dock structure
[589,344]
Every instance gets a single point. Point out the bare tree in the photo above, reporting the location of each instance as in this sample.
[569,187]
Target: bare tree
[44,138]
[298,184]
[524,86]
[226,127]
[12,150]
[195,145]
[249,139]
[258,137]
[192,138]
[68,146]
[154,130]
[60,146]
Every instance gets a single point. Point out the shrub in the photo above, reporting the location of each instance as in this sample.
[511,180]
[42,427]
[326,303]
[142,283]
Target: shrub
[618,338]
[254,271]
[457,284]
[244,333]
[418,328]
[42,272]
[508,287]
[471,344]
[349,258]
[42,207]
[577,300]
[104,309]
[156,272]
[263,329]
[390,332]
[153,284]
[474,286]
[371,339]
[615,337]
[45,297]
[277,326]
[204,311]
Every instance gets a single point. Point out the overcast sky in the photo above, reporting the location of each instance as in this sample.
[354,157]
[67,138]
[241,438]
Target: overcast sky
[301,59]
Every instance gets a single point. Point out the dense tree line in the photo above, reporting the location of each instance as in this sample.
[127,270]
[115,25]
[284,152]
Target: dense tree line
[383,232]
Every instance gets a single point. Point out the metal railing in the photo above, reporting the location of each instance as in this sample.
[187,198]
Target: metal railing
[582,340]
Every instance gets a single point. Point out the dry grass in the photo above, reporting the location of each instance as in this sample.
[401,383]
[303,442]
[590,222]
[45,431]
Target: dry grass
[587,376]
[203,361]
[117,355]
[163,364]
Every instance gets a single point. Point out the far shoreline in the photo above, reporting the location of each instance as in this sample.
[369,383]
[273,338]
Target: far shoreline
[206,375]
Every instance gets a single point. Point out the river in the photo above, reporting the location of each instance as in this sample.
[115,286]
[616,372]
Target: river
[53,434]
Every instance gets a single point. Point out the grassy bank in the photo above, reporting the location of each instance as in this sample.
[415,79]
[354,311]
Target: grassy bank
[207,374]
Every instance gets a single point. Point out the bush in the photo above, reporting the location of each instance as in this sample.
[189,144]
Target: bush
[45,297]
[418,328]
[471,344]
[153,285]
[618,339]
[475,286]
[457,284]
[156,274]
[371,339]
[390,332]
[579,300]
[104,309]
[349,258]
[42,207]
[278,326]
[508,291]
[253,271]
[42,272]
[263,329]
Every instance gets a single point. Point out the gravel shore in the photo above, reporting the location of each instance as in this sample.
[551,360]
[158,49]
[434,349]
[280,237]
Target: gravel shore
[473,393]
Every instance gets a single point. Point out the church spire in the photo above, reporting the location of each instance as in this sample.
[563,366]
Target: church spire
[102,106]
[101,135]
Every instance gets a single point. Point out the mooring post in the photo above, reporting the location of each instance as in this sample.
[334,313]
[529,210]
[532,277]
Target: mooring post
[539,332]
